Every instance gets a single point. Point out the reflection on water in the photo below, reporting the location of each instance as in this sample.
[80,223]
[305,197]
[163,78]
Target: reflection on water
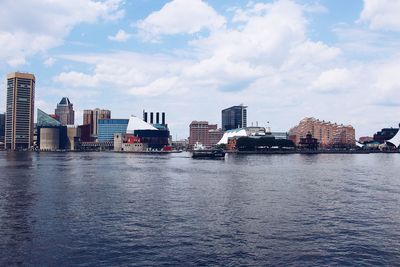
[126,209]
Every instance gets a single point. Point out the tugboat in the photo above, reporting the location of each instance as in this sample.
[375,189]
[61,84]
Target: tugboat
[200,152]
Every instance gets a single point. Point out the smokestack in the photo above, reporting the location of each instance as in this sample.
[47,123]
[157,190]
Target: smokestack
[145,116]
[163,118]
[151,117]
[158,117]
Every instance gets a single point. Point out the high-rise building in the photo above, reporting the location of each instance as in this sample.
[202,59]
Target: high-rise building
[65,112]
[234,117]
[204,133]
[91,117]
[20,111]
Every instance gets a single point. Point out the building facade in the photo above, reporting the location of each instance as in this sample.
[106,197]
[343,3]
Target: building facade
[328,134]
[91,117]
[108,127]
[2,125]
[19,111]
[2,129]
[204,133]
[65,112]
[234,117]
[51,135]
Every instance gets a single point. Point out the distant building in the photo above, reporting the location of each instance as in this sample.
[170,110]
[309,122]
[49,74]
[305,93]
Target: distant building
[328,134]
[234,117]
[108,127]
[65,112]
[204,133]
[128,143]
[156,136]
[91,117]
[20,111]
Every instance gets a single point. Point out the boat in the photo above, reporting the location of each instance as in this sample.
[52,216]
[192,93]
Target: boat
[200,152]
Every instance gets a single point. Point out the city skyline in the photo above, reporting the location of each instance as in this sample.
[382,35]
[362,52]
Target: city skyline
[284,59]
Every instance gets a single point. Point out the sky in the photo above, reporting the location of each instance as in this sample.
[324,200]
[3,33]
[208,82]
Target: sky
[336,60]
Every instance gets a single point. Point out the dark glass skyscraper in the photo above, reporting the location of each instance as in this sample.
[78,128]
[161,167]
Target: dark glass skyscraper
[19,110]
[234,117]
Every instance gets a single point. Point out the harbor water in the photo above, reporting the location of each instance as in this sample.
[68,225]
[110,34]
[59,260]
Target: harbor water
[115,209]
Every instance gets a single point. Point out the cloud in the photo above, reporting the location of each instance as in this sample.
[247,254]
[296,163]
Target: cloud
[120,36]
[333,80]
[179,17]
[381,14]
[46,24]
[49,62]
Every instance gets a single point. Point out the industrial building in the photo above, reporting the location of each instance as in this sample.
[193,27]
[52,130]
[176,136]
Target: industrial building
[19,111]
[156,136]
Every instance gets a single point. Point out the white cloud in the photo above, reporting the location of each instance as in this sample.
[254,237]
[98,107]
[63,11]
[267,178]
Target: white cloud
[382,14]
[49,62]
[120,36]
[177,17]
[46,23]
[333,80]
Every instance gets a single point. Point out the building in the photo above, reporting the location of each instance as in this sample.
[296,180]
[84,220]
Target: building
[73,135]
[328,134]
[19,111]
[85,133]
[128,143]
[155,136]
[204,133]
[51,135]
[108,127]
[65,112]
[2,129]
[234,117]
[91,117]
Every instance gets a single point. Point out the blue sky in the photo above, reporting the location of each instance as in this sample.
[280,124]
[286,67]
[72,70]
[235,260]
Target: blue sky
[336,60]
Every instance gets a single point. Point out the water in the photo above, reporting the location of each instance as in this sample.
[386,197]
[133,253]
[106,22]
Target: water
[106,209]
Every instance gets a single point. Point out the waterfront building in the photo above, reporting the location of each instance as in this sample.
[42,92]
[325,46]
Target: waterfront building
[155,136]
[157,119]
[91,117]
[20,111]
[85,133]
[128,143]
[204,133]
[108,127]
[234,117]
[73,135]
[65,112]
[328,134]
[51,135]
